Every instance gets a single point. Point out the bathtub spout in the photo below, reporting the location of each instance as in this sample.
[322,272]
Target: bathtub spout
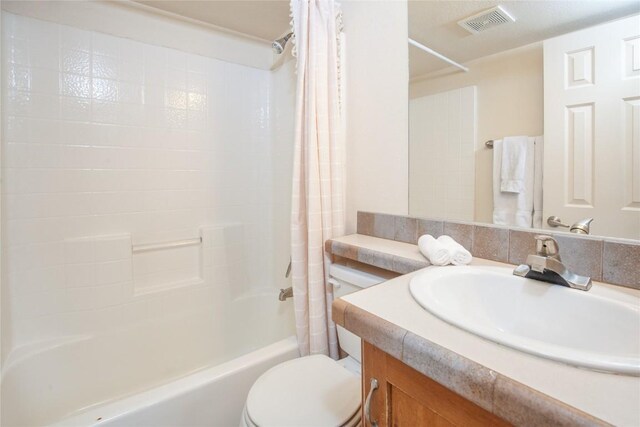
[285,293]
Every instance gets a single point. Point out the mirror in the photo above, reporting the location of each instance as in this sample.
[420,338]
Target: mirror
[526,113]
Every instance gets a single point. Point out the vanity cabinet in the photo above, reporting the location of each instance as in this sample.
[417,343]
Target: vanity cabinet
[405,397]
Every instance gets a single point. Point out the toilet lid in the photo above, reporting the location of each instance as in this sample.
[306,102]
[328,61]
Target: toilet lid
[309,391]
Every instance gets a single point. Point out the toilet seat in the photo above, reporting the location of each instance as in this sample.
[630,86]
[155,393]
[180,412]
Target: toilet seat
[308,391]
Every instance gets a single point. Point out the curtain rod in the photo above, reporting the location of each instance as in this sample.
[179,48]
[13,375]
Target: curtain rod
[437,55]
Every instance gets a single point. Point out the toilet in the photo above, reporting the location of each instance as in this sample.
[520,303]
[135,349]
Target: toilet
[315,390]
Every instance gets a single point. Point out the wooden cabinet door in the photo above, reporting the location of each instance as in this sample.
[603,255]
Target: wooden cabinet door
[405,397]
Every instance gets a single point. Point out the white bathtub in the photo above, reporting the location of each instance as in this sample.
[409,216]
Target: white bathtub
[211,397]
[189,369]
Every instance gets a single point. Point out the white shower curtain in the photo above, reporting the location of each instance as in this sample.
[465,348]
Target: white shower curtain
[317,210]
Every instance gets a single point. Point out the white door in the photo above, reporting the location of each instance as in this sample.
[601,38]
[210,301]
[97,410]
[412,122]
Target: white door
[592,127]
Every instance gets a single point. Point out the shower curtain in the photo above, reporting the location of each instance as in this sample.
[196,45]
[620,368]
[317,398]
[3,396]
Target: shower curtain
[317,210]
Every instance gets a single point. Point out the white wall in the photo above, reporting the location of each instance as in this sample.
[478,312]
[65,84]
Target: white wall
[377,117]
[510,102]
[134,21]
[442,133]
[110,143]
[4,307]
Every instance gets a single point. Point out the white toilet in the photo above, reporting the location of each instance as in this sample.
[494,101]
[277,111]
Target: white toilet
[315,390]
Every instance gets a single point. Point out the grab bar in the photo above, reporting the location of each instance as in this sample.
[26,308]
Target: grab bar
[165,245]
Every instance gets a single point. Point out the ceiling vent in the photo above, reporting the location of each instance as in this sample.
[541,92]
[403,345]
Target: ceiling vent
[484,20]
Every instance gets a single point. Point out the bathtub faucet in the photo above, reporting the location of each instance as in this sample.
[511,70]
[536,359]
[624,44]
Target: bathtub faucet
[285,293]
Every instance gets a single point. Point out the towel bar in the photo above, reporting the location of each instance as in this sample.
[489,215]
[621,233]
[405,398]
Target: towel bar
[489,143]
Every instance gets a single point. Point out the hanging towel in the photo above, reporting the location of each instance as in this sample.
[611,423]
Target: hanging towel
[459,255]
[537,182]
[513,208]
[433,250]
[514,164]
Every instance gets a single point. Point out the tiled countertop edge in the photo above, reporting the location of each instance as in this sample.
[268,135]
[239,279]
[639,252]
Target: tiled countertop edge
[380,259]
[500,395]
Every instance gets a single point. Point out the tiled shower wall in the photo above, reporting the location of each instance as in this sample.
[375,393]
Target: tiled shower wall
[442,139]
[110,143]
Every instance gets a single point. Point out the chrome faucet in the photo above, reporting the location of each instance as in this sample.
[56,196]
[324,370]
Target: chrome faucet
[547,266]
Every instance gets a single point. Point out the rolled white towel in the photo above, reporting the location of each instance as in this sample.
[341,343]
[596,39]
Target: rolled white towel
[434,250]
[459,255]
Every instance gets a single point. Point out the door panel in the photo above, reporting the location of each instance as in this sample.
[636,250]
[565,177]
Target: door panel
[592,127]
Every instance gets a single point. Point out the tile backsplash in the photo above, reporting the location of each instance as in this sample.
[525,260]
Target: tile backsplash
[614,261]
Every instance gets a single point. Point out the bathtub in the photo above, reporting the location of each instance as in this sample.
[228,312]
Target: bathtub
[211,397]
[186,370]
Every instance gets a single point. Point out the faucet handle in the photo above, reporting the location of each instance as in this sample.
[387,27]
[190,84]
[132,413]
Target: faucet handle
[547,246]
[581,227]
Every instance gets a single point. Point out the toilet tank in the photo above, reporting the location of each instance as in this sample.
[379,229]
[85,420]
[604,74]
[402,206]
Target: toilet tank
[345,280]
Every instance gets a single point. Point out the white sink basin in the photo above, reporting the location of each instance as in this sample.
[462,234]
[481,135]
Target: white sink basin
[598,329]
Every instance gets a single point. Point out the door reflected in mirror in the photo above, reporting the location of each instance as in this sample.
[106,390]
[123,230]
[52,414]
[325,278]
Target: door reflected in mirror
[526,113]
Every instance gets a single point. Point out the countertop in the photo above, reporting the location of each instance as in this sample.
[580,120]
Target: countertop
[516,386]
[390,255]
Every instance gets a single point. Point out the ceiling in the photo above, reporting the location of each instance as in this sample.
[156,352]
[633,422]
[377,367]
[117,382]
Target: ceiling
[263,19]
[435,24]
[431,22]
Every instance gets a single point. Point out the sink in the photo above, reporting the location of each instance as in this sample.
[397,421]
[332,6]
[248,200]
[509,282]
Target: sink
[598,330]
